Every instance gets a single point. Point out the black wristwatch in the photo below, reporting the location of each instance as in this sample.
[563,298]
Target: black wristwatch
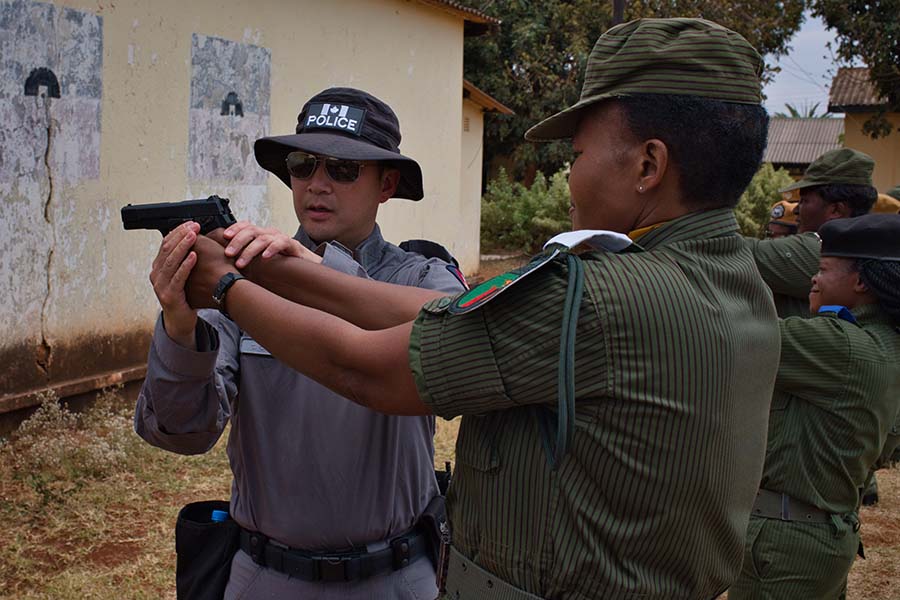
[222,288]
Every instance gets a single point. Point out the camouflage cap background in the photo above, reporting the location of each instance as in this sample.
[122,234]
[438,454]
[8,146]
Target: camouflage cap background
[691,57]
[843,165]
[894,192]
[782,213]
[886,205]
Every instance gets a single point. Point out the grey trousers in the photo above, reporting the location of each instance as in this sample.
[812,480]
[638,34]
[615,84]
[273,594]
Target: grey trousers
[249,581]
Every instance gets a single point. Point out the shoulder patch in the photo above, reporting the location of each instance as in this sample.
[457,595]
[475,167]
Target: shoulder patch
[493,287]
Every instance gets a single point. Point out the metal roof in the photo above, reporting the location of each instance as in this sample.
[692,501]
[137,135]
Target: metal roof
[851,91]
[801,141]
[476,22]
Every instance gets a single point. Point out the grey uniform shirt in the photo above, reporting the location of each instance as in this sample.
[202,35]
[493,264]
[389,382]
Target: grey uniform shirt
[311,469]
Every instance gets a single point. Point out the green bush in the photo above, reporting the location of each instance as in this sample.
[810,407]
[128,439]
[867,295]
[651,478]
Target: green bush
[56,451]
[753,209]
[516,217]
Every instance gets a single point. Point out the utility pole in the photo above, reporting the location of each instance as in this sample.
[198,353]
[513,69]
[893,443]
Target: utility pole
[618,11]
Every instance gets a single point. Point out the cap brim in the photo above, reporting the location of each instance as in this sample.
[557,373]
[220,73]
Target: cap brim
[562,125]
[798,185]
[271,153]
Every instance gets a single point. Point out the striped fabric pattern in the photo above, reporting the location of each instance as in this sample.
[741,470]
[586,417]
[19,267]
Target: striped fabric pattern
[664,56]
[787,265]
[676,354]
[835,400]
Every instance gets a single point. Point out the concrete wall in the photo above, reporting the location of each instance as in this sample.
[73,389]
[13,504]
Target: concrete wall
[885,151]
[138,119]
[472,159]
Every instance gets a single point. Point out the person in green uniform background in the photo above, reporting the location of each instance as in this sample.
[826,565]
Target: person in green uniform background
[834,402]
[614,402]
[836,185]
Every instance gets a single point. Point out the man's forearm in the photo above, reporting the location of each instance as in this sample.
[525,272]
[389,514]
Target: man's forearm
[368,367]
[365,303]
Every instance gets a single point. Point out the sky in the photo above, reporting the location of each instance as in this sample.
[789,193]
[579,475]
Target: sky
[806,71]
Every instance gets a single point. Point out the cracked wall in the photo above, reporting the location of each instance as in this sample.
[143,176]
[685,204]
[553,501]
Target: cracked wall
[152,77]
[50,102]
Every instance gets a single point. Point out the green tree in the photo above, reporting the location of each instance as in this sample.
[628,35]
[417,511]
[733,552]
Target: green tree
[535,62]
[753,209]
[868,31]
[806,111]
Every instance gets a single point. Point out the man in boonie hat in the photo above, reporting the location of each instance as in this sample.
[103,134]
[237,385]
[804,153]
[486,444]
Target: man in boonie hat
[782,220]
[834,404]
[329,495]
[836,185]
[613,403]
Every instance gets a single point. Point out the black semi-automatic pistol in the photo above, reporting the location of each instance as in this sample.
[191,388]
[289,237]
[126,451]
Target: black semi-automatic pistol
[211,213]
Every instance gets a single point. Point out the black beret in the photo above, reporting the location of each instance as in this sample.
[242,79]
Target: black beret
[874,236]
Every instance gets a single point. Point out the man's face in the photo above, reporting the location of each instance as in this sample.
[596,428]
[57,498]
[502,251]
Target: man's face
[330,210]
[601,181]
[812,210]
[836,283]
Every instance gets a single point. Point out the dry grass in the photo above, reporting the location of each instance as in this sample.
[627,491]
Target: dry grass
[100,526]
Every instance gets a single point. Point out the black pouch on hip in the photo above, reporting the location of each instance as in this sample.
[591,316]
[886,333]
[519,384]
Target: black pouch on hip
[206,539]
[433,525]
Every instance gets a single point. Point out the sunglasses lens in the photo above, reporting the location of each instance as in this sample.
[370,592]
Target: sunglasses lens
[342,171]
[301,165]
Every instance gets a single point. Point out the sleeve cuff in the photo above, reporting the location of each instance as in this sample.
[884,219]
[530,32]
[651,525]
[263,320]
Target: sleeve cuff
[184,361]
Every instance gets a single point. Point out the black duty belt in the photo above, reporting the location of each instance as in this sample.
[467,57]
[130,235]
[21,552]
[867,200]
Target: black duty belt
[332,566]
[775,505]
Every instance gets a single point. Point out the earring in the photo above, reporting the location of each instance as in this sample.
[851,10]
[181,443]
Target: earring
[641,189]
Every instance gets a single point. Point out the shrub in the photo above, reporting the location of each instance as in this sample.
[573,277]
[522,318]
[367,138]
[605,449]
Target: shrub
[516,217]
[753,209]
[56,451]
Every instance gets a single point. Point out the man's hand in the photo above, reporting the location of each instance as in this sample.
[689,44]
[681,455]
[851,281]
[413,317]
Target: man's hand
[247,241]
[211,265]
[170,271]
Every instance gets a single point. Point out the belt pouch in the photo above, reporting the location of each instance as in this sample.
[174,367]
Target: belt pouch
[430,524]
[204,549]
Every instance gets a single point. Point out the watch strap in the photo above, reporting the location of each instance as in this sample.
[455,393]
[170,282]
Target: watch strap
[225,283]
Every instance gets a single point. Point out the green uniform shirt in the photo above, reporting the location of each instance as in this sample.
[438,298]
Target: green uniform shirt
[834,403]
[675,359]
[787,265]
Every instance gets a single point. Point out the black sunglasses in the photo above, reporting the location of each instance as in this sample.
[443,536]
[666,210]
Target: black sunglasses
[302,165]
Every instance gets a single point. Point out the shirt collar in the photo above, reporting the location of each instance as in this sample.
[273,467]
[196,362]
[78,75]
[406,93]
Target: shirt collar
[367,254]
[704,224]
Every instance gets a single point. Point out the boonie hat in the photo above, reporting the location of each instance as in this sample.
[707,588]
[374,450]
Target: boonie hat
[691,57]
[886,205]
[349,124]
[782,213]
[869,236]
[894,192]
[844,165]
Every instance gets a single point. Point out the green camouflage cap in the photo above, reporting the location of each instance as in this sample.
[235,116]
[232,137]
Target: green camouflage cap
[894,192]
[690,57]
[843,165]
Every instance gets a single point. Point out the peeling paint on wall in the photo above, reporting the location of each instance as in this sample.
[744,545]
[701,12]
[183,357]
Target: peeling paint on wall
[50,94]
[230,87]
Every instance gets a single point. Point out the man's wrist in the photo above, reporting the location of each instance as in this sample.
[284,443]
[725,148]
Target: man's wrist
[220,293]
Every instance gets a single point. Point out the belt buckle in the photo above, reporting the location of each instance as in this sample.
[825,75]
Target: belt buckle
[785,507]
[332,568]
